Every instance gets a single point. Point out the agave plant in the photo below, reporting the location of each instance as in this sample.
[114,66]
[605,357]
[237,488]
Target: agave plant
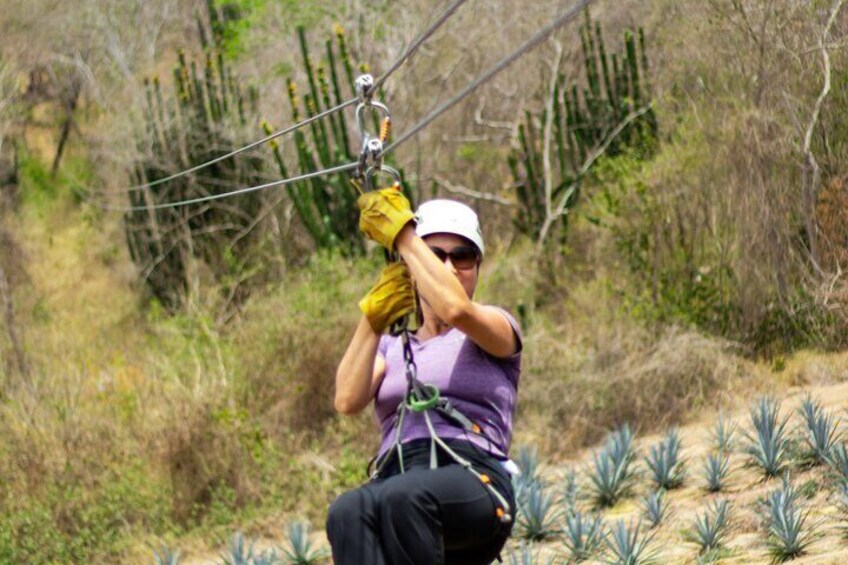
[241,552]
[527,555]
[788,537]
[528,462]
[625,545]
[655,508]
[710,528]
[664,462]
[166,556]
[716,469]
[612,475]
[582,535]
[822,430]
[299,550]
[570,490]
[841,500]
[269,557]
[537,516]
[768,443]
[724,434]
[838,460]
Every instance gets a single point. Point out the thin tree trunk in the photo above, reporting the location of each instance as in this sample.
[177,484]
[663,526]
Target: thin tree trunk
[70,108]
[11,326]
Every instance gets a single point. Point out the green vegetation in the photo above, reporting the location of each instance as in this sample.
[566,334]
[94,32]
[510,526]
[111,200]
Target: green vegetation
[709,532]
[166,378]
[612,474]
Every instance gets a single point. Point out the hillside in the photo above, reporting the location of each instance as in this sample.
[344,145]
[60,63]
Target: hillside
[664,197]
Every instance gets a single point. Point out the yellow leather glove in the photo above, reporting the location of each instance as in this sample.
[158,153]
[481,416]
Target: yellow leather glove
[391,298]
[383,213]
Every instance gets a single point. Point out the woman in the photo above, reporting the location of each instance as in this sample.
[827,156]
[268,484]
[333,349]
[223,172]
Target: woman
[411,512]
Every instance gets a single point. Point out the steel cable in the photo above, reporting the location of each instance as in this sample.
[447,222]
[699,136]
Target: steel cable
[248,147]
[528,45]
[207,198]
[410,51]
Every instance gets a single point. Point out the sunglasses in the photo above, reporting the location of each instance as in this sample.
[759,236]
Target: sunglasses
[463,257]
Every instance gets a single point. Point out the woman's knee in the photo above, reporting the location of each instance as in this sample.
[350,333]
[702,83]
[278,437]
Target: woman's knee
[349,508]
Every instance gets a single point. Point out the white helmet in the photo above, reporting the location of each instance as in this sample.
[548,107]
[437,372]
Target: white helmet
[449,216]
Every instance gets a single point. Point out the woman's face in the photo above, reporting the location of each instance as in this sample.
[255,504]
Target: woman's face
[450,243]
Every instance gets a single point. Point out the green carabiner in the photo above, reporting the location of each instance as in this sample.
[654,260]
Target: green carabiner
[418,405]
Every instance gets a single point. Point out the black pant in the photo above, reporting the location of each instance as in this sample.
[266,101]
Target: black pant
[423,516]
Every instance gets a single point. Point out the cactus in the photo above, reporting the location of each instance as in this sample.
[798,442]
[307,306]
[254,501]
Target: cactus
[240,551]
[198,123]
[326,206]
[581,120]
[165,556]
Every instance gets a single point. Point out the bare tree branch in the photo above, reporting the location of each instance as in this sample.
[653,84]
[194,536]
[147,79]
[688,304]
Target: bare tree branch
[812,172]
[584,168]
[471,193]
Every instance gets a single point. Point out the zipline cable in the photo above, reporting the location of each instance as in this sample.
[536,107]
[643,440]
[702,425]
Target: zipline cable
[413,48]
[528,45]
[410,51]
[248,147]
[209,197]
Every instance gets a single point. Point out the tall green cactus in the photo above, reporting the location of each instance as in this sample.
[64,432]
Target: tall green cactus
[327,205]
[582,119]
[207,117]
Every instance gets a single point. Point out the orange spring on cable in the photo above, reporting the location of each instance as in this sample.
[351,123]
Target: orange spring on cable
[485,479]
[386,129]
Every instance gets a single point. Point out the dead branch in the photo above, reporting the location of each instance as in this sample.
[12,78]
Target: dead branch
[584,168]
[471,193]
[812,173]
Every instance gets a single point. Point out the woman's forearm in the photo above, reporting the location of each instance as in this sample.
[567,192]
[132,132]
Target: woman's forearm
[436,284]
[355,381]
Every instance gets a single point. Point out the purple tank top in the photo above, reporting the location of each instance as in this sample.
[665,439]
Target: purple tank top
[484,388]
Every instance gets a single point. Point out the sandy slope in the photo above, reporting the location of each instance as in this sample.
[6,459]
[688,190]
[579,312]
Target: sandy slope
[746,540]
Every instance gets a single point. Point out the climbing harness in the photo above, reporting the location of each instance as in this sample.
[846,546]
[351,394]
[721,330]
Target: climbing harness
[420,398]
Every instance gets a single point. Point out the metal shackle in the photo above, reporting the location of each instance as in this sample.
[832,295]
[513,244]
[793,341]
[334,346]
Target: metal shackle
[369,174]
[372,153]
[364,86]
